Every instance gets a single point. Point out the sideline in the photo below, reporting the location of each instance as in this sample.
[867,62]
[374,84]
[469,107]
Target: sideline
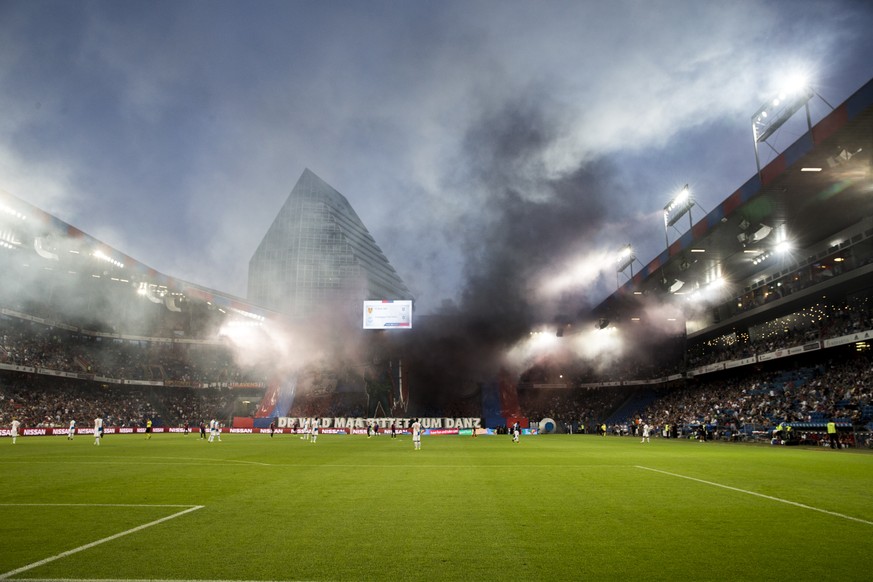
[189,509]
[770,497]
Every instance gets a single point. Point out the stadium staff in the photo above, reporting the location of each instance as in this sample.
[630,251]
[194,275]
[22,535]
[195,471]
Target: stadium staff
[777,432]
[833,438]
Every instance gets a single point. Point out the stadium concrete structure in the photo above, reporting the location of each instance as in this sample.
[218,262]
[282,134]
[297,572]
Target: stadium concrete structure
[318,255]
[797,235]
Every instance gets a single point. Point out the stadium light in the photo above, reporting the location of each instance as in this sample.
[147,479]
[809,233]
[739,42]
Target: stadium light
[678,207]
[775,112]
[12,212]
[8,240]
[625,260]
[98,254]
[783,245]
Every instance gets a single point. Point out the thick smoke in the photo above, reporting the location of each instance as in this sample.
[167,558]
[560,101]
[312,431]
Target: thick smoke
[540,252]
[532,224]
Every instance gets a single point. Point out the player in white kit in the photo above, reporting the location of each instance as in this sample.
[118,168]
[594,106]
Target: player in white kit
[647,430]
[15,426]
[314,429]
[72,431]
[98,430]
[416,434]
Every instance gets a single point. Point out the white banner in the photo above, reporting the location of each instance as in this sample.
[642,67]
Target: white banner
[383,423]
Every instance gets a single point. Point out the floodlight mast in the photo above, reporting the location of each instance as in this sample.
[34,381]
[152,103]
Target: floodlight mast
[777,111]
[626,258]
[680,205]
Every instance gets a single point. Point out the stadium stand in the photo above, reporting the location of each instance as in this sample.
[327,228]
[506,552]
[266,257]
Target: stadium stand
[86,330]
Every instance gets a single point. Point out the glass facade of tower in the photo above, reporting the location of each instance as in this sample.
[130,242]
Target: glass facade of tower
[318,255]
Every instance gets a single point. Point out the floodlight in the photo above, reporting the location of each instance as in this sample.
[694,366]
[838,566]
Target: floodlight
[776,111]
[678,206]
[783,247]
[625,258]
[676,286]
[795,84]
[12,212]
[602,323]
[9,239]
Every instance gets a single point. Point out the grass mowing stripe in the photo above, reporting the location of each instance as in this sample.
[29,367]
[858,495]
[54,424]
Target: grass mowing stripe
[160,461]
[551,508]
[770,497]
[98,542]
[90,505]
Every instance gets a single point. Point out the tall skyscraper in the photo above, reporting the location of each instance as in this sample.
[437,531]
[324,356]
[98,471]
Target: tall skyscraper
[318,255]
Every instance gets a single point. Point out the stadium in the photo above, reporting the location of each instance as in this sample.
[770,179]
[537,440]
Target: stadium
[741,353]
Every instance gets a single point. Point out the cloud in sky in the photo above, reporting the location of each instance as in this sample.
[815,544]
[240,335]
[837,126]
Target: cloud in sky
[488,146]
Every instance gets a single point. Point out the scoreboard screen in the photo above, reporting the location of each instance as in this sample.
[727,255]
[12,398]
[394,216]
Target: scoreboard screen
[388,314]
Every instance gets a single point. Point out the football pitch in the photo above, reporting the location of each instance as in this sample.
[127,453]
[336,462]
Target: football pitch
[554,507]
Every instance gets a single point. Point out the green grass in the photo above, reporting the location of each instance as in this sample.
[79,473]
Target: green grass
[350,508]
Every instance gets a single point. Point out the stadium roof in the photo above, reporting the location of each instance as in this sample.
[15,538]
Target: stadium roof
[818,187]
[48,242]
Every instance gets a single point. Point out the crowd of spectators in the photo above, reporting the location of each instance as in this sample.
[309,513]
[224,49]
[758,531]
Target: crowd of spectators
[802,278]
[33,344]
[42,402]
[831,388]
[810,324]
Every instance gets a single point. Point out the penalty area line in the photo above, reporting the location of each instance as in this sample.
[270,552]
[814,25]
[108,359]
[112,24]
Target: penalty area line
[11,573]
[762,495]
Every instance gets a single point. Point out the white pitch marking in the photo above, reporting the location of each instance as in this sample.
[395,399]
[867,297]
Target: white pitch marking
[770,497]
[102,541]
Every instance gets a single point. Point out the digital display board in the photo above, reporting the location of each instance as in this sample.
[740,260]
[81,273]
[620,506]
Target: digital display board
[388,314]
